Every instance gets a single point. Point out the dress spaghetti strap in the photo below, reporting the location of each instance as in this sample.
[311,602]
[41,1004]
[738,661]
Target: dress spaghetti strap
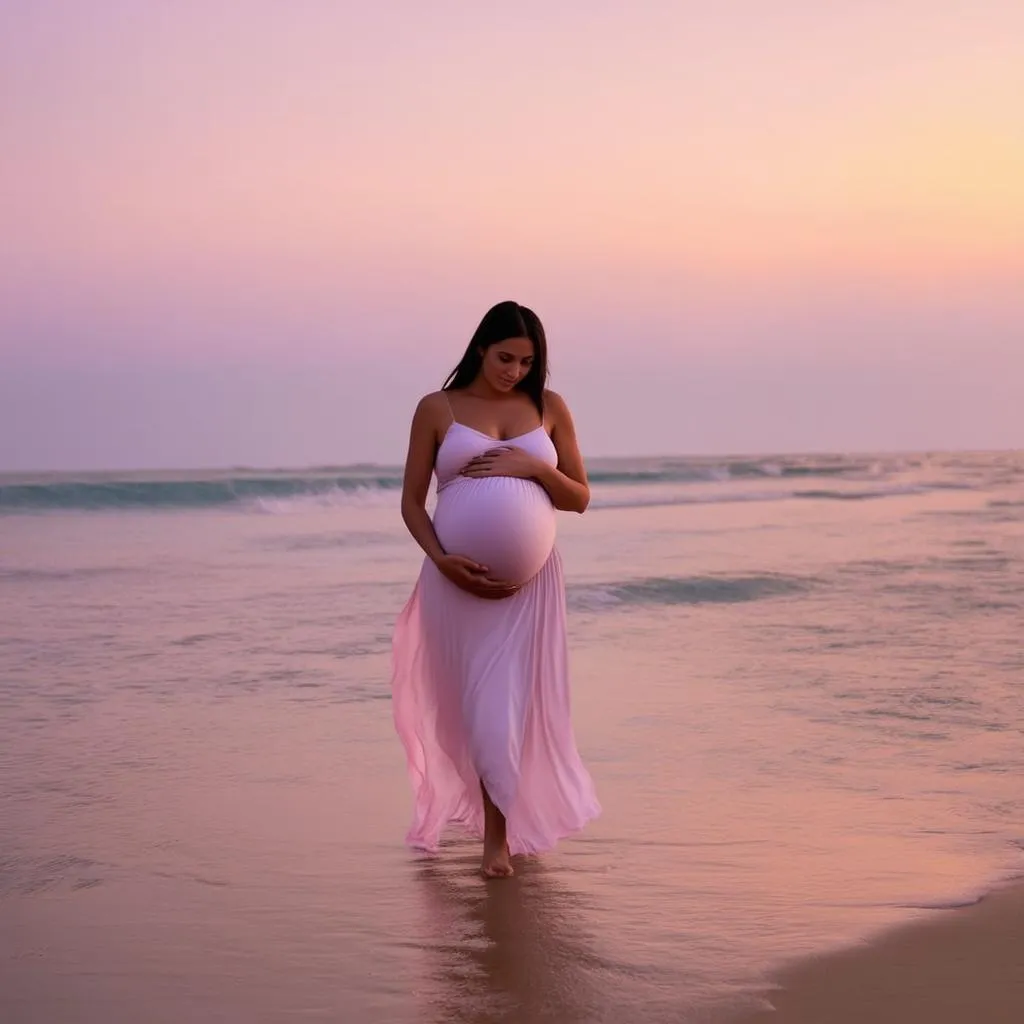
[448,402]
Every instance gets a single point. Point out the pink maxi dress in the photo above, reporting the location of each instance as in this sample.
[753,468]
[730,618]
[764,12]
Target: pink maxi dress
[480,687]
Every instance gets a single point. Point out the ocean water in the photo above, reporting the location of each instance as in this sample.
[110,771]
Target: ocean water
[798,683]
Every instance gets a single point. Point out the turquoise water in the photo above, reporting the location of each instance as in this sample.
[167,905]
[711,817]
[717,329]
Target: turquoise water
[798,683]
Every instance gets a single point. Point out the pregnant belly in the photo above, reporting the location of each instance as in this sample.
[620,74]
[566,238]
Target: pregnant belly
[504,523]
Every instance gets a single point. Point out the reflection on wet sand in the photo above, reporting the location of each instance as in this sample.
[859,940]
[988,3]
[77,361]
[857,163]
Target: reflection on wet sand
[513,951]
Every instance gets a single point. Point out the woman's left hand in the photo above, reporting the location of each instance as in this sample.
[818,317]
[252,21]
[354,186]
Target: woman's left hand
[505,460]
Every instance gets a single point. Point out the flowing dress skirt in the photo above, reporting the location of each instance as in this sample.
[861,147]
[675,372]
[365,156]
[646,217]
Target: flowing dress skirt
[480,692]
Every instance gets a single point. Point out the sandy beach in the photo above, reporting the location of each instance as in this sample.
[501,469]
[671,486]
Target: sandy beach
[965,964]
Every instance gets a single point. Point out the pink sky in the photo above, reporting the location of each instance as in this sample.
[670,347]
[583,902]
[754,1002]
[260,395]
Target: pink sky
[696,198]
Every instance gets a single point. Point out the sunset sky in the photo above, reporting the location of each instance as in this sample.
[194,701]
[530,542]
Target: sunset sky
[255,232]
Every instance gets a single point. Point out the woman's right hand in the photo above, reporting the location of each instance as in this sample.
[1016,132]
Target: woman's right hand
[472,577]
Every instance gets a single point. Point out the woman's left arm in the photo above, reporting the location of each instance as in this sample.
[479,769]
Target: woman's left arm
[565,483]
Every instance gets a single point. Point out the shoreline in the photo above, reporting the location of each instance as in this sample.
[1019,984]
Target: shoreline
[956,965]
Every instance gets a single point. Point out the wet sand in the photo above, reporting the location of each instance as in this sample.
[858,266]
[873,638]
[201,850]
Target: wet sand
[956,965]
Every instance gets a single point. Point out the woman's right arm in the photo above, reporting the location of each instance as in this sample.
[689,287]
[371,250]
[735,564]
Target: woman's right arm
[419,465]
[431,413]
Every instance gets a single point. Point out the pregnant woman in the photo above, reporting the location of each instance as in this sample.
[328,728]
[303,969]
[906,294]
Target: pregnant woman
[480,685]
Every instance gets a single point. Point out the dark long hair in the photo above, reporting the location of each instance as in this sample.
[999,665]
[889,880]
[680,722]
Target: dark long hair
[501,322]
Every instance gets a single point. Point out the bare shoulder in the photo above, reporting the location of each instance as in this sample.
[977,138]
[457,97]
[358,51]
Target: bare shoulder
[433,406]
[556,408]
[432,416]
[435,400]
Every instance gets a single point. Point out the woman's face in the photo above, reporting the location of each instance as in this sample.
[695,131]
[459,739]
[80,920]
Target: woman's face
[507,362]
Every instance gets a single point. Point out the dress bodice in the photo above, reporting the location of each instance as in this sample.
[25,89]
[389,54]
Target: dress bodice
[461,444]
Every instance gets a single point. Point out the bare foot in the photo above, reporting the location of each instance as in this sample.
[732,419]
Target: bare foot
[496,862]
[496,854]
